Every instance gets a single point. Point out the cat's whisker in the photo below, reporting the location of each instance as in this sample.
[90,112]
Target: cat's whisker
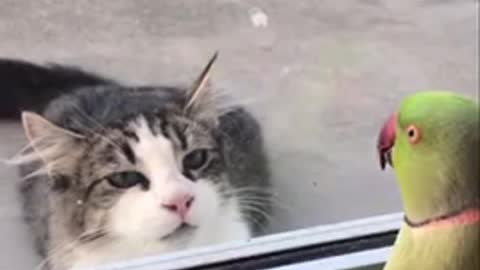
[250,194]
[27,153]
[260,196]
[251,188]
[20,156]
[275,203]
[252,201]
[261,221]
[259,224]
[253,191]
[43,150]
[256,209]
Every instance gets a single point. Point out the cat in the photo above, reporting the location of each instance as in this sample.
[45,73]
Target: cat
[114,171]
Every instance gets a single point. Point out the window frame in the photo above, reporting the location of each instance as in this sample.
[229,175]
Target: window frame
[344,245]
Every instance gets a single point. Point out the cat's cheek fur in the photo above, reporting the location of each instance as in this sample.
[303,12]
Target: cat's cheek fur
[219,220]
[206,207]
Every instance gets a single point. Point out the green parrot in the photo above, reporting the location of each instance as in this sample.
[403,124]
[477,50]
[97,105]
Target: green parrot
[432,144]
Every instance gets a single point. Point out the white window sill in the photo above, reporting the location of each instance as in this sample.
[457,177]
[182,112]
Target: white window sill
[278,248]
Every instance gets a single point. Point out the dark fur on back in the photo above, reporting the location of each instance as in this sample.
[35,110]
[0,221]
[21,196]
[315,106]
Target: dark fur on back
[27,86]
[69,96]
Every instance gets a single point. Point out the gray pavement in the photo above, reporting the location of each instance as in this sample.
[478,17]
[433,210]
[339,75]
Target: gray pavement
[322,76]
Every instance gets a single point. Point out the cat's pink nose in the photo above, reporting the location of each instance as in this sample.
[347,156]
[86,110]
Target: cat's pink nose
[179,204]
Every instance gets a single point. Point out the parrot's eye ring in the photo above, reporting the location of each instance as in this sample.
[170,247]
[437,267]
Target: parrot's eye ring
[413,134]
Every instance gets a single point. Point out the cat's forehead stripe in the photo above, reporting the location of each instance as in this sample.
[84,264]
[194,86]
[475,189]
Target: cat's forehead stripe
[144,127]
[152,123]
[127,150]
[180,136]
[130,134]
[159,126]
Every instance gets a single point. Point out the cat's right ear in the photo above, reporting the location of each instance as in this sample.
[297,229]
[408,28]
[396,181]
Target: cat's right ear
[201,86]
[45,137]
[200,100]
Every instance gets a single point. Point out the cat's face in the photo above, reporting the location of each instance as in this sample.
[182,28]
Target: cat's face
[157,177]
[149,178]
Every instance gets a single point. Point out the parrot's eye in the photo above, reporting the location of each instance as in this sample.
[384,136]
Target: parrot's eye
[413,134]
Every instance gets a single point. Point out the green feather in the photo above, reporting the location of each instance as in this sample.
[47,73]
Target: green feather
[436,249]
[437,175]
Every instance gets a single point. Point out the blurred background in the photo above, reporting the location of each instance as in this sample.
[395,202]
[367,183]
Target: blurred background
[320,75]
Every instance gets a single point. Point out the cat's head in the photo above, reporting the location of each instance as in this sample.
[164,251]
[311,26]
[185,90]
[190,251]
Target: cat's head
[143,163]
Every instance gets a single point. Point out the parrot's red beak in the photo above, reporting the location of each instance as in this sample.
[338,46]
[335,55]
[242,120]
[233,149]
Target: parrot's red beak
[386,140]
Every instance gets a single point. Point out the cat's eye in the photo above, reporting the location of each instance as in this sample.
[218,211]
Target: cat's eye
[196,159]
[127,179]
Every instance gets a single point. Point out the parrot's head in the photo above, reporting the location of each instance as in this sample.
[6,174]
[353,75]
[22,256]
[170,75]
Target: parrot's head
[432,142]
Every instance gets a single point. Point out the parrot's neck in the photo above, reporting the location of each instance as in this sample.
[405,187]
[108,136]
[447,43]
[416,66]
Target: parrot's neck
[462,217]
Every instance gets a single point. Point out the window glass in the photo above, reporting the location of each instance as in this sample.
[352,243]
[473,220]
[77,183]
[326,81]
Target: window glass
[317,78]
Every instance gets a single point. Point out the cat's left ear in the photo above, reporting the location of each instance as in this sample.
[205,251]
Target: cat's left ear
[38,128]
[50,142]
[200,100]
